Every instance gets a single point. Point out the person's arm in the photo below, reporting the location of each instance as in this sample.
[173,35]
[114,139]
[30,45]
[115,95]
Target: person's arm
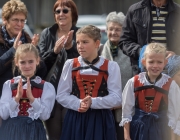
[128,39]
[128,103]
[64,89]
[127,131]
[173,108]
[113,99]
[72,52]
[46,48]
[42,107]
[6,60]
[8,105]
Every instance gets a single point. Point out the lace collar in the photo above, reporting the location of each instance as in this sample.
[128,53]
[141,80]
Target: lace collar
[162,81]
[37,79]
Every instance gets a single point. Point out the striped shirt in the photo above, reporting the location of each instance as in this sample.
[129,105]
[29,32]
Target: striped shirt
[159,15]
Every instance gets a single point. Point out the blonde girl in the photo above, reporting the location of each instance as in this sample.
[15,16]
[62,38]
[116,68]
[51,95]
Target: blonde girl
[26,99]
[151,100]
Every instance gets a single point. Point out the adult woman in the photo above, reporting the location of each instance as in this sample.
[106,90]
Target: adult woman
[14,14]
[112,51]
[57,43]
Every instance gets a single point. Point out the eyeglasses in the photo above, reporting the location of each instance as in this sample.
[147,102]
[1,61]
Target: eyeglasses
[65,11]
[19,20]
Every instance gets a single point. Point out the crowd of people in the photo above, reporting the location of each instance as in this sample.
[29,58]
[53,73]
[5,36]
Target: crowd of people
[64,84]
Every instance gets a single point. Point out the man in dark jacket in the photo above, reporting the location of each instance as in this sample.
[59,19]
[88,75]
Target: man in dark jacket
[151,21]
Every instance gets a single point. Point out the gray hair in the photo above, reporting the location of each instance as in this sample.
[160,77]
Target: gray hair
[115,17]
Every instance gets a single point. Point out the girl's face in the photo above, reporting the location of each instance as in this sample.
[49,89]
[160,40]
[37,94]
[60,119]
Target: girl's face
[87,47]
[114,32]
[15,24]
[176,78]
[27,63]
[63,16]
[154,64]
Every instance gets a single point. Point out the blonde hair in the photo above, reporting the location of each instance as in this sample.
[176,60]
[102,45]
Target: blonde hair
[155,48]
[24,48]
[91,31]
[13,6]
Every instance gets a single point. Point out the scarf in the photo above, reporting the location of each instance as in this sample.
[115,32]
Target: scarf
[114,50]
[9,40]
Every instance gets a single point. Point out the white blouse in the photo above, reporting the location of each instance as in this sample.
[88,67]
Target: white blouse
[41,107]
[113,99]
[128,101]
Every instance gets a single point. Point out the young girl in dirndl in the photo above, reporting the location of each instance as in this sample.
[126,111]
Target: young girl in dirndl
[26,100]
[90,86]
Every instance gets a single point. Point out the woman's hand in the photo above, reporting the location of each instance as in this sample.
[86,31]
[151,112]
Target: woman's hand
[29,92]
[68,43]
[85,104]
[19,91]
[17,41]
[59,44]
[35,39]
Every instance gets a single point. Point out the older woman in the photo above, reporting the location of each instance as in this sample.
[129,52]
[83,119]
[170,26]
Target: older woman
[14,14]
[58,43]
[112,51]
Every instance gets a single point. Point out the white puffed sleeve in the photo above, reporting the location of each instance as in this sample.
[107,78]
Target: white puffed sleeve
[128,102]
[173,107]
[65,88]
[8,106]
[113,99]
[42,107]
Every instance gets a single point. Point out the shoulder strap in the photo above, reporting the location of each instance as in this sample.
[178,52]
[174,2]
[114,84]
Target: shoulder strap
[33,84]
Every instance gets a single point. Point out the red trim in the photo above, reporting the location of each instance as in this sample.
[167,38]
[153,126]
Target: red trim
[150,92]
[90,78]
[24,102]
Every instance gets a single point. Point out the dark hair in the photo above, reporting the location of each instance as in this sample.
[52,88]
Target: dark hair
[69,4]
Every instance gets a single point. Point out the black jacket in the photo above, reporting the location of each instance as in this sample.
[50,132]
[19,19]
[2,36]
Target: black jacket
[47,44]
[6,58]
[137,29]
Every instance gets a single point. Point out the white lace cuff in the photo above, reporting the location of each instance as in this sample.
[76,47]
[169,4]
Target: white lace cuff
[124,121]
[35,110]
[177,129]
[172,124]
[14,108]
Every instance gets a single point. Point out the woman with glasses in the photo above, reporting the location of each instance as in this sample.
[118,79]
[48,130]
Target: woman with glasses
[57,43]
[14,14]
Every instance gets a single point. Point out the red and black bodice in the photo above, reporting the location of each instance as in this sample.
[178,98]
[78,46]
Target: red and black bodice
[24,103]
[151,98]
[93,85]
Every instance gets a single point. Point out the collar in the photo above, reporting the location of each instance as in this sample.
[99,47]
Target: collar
[93,62]
[171,5]
[159,77]
[25,78]
[2,41]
